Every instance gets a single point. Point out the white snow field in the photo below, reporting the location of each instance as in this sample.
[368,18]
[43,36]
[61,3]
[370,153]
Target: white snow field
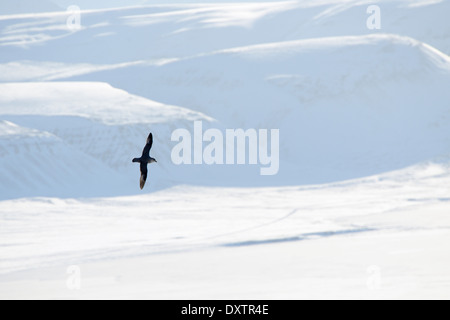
[380,237]
[360,208]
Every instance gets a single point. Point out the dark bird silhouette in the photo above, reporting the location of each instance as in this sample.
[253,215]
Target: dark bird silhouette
[145,159]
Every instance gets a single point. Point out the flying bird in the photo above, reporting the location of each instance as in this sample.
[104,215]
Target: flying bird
[145,159]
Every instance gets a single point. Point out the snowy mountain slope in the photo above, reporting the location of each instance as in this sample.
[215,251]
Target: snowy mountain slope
[98,101]
[188,29]
[81,140]
[103,32]
[311,70]
[363,88]
[36,163]
[98,4]
[403,18]
[8,7]
[346,106]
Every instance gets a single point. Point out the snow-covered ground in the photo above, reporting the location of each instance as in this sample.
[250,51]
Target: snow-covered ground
[378,237]
[359,209]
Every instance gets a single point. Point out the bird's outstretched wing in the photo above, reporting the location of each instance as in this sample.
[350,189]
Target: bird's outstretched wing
[144,172]
[148,146]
